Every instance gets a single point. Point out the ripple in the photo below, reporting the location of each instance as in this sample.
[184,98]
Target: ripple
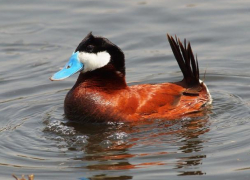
[118,136]
[22,28]
[60,129]
[229,110]
[20,47]
[67,137]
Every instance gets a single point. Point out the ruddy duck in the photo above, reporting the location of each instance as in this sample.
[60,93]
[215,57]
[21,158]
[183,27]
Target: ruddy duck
[101,94]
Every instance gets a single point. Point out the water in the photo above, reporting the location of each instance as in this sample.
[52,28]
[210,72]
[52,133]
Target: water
[38,37]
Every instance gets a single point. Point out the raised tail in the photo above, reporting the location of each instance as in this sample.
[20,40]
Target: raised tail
[186,61]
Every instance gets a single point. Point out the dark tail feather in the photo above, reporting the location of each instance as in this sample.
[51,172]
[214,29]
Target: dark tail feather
[186,61]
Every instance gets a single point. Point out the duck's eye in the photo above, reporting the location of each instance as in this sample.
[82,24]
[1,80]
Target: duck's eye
[90,48]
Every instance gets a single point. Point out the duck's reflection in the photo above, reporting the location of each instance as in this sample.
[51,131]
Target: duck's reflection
[145,144]
[192,148]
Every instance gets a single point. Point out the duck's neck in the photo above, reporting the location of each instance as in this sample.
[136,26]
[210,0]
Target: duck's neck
[105,79]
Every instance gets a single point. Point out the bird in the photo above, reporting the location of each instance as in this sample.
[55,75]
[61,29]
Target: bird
[101,93]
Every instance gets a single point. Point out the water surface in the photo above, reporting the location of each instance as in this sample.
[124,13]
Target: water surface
[38,37]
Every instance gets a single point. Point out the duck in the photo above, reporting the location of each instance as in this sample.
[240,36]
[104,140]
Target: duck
[101,93]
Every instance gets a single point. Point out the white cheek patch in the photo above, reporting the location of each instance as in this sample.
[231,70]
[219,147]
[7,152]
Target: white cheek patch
[93,61]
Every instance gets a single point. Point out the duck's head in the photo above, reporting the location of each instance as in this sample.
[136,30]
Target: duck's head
[93,53]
